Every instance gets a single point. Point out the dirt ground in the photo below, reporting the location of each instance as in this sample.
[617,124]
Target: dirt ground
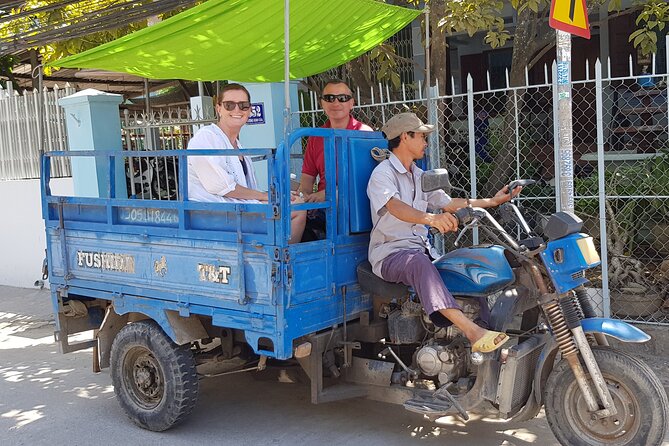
[47,398]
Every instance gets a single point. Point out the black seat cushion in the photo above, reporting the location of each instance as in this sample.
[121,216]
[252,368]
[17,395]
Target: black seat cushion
[373,284]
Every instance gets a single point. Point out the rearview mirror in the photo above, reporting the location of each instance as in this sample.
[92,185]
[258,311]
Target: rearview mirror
[435,179]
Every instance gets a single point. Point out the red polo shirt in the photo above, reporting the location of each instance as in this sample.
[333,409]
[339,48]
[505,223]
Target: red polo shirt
[314,156]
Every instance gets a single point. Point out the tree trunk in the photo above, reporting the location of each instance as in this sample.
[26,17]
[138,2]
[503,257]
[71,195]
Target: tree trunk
[524,47]
[438,47]
[361,78]
[439,70]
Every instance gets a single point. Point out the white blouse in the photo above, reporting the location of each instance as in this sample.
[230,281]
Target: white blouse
[211,177]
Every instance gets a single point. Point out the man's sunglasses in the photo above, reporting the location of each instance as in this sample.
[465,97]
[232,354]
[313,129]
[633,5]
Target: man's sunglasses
[336,97]
[230,105]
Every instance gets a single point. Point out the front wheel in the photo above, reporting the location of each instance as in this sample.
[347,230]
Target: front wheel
[154,379]
[637,393]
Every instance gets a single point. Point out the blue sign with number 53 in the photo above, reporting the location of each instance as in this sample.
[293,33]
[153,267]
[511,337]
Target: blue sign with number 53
[257,113]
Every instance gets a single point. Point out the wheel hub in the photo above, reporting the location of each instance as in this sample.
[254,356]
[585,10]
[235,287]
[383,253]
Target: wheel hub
[625,422]
[144,378]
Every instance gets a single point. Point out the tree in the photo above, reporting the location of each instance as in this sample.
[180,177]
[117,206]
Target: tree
[532,38]
[7,64]
[59,28]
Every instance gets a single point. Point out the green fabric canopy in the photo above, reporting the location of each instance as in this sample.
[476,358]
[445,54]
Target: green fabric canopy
[243,40]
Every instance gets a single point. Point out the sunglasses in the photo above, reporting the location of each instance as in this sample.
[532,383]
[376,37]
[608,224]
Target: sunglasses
[230,105]
[336,97]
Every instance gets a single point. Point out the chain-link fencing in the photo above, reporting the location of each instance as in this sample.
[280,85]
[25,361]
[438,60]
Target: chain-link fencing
[155,178]
[621,169]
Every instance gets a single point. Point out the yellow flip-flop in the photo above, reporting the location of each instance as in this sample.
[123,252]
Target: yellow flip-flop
[486,343]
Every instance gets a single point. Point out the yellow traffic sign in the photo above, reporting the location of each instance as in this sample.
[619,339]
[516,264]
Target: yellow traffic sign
[570,16]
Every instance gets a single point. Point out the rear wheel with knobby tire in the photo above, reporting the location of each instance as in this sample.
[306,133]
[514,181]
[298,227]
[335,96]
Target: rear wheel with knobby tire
[154,379]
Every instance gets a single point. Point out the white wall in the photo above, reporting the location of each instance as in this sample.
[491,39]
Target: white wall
[22,239]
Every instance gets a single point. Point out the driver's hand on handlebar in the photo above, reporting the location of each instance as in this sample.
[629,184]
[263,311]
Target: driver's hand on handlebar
[502,196]
[445,222]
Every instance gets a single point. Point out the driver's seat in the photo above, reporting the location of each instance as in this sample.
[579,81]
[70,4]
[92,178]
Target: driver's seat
[373,284]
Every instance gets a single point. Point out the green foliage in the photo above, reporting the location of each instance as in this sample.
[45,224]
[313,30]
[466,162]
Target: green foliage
[70,14]
[651,21]
[386,58]
[658,176]
[472,16]
[646,179]
[7,64]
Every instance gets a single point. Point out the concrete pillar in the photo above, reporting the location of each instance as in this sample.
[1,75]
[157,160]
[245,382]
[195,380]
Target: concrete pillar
[264,128]
[93,123]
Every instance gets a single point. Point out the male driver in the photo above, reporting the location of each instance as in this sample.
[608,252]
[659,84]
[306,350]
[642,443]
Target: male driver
[337,102]
[398,245]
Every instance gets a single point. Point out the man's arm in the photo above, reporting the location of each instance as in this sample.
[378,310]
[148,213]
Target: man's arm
[307,188]
[309,173]
[307,184]
[502,196]
[316,197]
[445,222]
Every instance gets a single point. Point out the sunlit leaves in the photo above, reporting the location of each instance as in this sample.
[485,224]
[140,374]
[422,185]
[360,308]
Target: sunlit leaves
[497,39]
[385,59]
[652,19]
[472,16]
[73,14]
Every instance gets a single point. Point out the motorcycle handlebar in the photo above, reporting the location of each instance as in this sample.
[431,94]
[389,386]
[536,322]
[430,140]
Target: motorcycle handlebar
[520,183]
[466,214]
[462,215]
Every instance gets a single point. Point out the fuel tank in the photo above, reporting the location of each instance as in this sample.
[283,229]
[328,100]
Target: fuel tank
[475,271]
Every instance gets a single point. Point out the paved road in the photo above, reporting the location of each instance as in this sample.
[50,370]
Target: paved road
[54,399]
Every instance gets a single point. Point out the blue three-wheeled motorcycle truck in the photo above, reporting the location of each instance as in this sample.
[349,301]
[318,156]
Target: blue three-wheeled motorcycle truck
[170,287]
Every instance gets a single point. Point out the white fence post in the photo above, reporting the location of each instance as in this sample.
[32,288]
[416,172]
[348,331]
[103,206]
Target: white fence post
[606,303]
[472,144]
[556,136]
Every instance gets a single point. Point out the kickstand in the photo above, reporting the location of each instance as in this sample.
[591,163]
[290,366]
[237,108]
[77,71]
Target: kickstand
[443,393]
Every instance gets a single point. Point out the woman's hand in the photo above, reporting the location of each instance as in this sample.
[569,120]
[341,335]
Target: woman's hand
[296,198]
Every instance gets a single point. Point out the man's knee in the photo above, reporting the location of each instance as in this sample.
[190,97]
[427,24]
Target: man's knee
[419,265]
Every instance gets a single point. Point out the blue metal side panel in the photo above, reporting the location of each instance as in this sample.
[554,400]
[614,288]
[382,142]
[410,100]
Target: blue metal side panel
[209,269]
[566,275]
[151,274]
[475,271]
[323,309]
[311,273]
[360,167]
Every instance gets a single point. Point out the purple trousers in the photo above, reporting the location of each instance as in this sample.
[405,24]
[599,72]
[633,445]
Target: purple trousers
[415,268]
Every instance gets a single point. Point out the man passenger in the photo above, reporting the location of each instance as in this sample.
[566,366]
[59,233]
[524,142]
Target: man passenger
[337,102]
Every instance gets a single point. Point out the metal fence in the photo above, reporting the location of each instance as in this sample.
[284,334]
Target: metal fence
[166,129]
[485,138]
[19,154]
[621,159]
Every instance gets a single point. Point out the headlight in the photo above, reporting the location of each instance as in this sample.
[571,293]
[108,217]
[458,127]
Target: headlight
[587,247]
